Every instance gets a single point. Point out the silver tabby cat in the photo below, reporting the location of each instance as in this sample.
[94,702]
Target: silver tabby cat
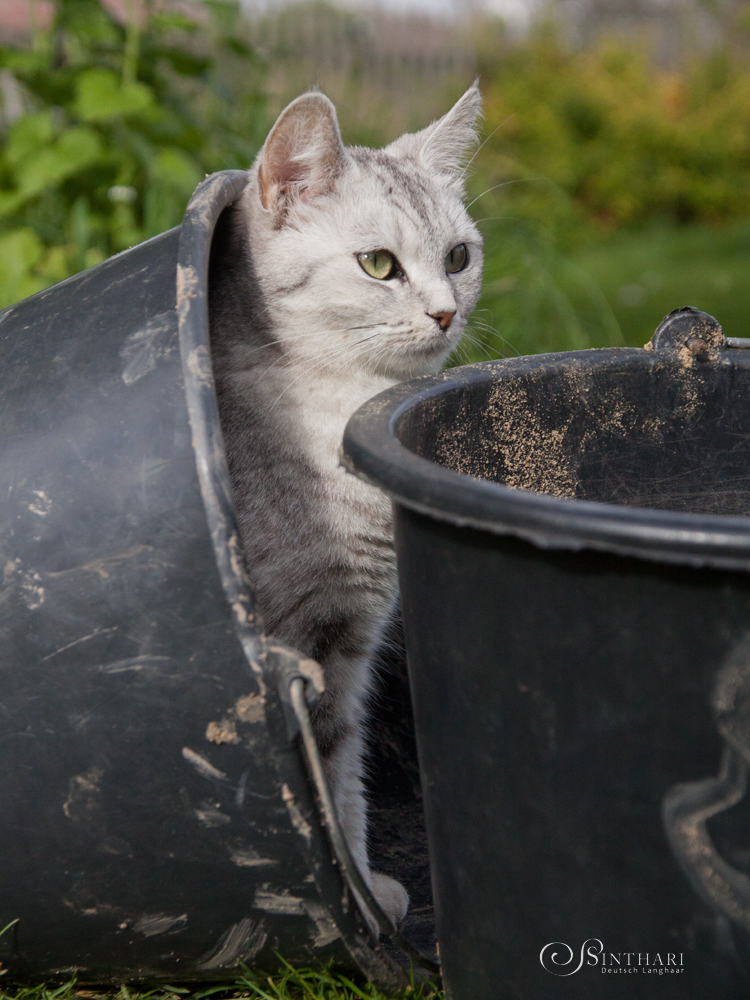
[340,272]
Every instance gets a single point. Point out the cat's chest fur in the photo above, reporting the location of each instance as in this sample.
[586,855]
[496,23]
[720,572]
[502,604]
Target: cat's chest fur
[318,540]
[353,559]
[323,407]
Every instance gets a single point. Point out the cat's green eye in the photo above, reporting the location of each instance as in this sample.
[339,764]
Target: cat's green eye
[379,264]
[456,259]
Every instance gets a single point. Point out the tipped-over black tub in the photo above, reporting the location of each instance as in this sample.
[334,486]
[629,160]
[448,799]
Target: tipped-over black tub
[156,817]
[573,548]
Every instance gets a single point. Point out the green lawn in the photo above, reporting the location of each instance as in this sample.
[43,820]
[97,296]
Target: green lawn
[612,292]
[647,274]
[294,984]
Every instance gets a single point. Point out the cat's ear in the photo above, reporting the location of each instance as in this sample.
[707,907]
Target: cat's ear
[444,144]
[303,154]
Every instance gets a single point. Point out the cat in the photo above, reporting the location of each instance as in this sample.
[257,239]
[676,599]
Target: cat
[338,273]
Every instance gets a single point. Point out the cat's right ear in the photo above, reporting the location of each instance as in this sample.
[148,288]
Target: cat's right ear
[303,154]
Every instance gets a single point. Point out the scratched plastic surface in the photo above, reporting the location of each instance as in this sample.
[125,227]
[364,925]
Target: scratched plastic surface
[155,817]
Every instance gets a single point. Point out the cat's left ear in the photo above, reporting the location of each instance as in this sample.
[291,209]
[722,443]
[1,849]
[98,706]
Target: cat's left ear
[303,154]
[445,143]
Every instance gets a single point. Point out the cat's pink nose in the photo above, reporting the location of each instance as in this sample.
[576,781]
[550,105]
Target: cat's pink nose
[444,319]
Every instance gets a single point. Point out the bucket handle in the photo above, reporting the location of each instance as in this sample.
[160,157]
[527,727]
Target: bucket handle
[685,810]
[688,806]
[301,690]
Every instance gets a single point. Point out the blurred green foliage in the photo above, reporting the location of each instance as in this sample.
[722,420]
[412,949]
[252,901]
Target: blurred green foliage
[119,124]
[625,140]
[612,188]
[606,191]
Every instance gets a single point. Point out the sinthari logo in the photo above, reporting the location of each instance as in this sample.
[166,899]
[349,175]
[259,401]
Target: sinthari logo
[559,959]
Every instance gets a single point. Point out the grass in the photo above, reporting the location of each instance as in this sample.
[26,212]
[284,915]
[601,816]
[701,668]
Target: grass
[612,292]
[646,274]
[291,984]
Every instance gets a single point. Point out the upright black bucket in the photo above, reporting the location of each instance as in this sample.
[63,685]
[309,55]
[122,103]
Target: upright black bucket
[156,820]
[573,549]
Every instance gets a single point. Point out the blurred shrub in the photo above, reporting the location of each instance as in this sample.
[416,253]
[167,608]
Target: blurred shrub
[622,139]
[588,143]
[119,123]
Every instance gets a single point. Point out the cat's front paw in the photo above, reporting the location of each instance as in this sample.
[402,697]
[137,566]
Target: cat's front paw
[393,898]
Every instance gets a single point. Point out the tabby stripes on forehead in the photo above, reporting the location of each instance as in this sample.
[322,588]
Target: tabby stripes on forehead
[410,191]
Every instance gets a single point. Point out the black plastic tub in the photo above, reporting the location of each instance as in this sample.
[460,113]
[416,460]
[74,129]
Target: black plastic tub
[156,817]
[573,549]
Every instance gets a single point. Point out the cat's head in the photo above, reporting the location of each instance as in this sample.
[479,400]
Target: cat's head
[367,258]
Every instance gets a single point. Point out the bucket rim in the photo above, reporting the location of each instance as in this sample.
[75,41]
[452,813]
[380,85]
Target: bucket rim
[372,451]
[272,663]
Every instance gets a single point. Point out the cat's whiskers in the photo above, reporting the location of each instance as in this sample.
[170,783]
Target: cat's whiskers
[397,339]
[477,343]
[338,355]
[485,327]
[420,340]
[479,324]
[498,218]
[333,354]
[393,353]
[483,143]
[374,361]
[517,180]
[280,341]
[483,324]
[460,349]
